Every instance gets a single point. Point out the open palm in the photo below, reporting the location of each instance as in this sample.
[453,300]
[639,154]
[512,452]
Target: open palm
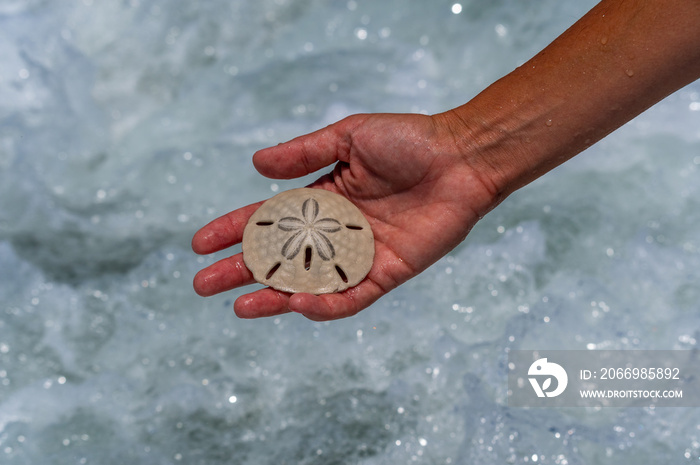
[403,172]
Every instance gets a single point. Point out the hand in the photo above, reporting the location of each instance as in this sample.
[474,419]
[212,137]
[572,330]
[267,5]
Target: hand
[406,175]
[424,181]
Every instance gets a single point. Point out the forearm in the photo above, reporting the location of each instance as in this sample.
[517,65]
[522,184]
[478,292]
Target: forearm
[614,63]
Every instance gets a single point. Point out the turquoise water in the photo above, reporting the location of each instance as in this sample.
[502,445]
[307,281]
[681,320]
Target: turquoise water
[126,125]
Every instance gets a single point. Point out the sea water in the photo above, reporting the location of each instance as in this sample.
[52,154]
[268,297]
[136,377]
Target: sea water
[125,125]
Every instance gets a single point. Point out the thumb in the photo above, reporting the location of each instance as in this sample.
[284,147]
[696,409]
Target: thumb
[309,153]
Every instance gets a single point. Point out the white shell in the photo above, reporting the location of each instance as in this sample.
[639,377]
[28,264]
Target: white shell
[308,240]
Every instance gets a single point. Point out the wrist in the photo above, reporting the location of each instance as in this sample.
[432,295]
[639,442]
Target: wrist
[507,141]
[610,66]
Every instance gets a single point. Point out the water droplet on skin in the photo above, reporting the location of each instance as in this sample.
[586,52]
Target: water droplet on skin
[630,72]
[603,40]
[549,123]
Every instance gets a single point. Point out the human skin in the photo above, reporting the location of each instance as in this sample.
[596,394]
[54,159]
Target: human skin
[424,181]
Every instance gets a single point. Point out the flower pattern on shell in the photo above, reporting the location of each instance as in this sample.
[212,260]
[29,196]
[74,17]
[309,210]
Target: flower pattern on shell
[309,226]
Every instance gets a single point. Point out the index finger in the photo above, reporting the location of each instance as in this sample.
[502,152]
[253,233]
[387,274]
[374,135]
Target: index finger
[224,231]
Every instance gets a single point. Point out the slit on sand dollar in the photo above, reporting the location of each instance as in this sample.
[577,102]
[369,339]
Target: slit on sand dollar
[308,240]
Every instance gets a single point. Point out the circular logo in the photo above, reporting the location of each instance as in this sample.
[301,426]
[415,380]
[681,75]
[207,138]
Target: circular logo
[546,371]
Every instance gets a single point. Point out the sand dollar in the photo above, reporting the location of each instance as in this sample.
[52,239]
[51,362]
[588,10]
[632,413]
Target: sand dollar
[308,240]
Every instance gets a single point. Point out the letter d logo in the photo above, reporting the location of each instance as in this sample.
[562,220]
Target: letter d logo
[541,368]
